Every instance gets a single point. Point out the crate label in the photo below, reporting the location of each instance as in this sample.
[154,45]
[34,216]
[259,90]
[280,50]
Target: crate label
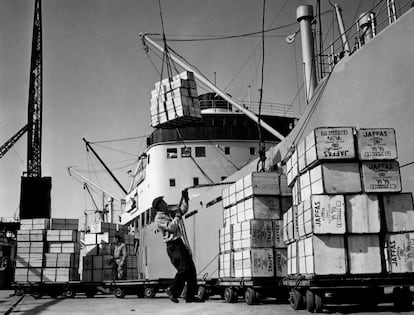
[381,176]
[334,143]
[377,144]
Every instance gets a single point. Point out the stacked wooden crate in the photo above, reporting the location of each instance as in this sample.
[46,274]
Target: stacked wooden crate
[62,251]
[250,240]
[345,183]
[30,250]
[97,256]
[174,101]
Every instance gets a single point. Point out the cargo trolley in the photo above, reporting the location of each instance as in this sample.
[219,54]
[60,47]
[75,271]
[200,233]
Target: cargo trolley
[252,289]
[314,292]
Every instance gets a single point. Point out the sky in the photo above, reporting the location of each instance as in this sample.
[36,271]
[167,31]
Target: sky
[98,79]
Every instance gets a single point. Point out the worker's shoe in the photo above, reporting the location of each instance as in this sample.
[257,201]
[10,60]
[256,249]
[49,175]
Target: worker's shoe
[194,300]
[172,298]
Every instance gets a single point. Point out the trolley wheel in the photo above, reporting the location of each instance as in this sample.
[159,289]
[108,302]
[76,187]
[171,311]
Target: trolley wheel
[251,296]
[318,302]
[310,301]
[90,293]
[37,295]
[53,295]
[119,293]
[296,299]
[230,295]
[202,293]
[149,292]
[402,298]
[19,292]
[70,293]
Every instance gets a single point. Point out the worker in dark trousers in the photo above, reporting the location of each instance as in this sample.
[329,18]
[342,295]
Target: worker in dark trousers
[168,222]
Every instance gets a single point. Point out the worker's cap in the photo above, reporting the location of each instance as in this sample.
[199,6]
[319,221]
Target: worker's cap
[156,201]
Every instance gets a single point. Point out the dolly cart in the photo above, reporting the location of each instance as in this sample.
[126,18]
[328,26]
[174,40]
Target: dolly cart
[253,289]
[313,292]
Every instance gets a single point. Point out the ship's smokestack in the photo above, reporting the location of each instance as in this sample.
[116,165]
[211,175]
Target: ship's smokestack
[304,15]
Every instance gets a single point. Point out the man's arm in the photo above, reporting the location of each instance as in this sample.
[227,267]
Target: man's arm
[165,223]
[124,254]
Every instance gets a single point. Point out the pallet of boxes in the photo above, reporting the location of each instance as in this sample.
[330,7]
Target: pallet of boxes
[253,257]
[97,255]
[174,101]
[47,256]
[349,231]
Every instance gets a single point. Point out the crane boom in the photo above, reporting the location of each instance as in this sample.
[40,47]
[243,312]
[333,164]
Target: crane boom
[205,81]
[9,143]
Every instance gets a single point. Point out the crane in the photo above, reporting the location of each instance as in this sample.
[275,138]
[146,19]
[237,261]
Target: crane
[9,143]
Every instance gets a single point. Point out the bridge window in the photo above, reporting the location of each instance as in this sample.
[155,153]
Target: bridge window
[200,151]
[172,153]
[172,182]
[227,150]
[223,177]
[252,150]
[186,152]
[148,157]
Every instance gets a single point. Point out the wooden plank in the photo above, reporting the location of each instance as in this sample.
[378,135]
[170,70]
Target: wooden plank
[377,144]
[362,213]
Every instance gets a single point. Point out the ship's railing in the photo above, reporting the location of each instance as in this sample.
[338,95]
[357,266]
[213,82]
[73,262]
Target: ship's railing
[267,108]
[381,15]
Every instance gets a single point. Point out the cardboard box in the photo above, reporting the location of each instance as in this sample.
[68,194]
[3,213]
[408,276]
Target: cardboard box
[364,254]
[321,214]
[399,212]
[377,144]
[322,255]
[381,176]
[362,213]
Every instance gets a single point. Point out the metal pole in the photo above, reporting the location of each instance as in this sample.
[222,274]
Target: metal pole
[210,85]
[70,170]
[344,38]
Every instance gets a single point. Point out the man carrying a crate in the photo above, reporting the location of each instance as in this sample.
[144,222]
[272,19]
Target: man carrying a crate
[169,222]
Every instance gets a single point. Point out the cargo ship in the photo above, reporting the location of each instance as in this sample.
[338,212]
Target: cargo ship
[365,83]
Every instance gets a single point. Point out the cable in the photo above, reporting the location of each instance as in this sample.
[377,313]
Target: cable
[225,37]
[116,150]
[117,140]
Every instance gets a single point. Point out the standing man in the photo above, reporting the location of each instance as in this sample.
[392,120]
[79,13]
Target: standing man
[120,255]
[168,222]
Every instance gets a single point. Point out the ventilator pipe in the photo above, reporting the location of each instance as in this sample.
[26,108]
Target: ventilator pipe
[341,27]
[304,15]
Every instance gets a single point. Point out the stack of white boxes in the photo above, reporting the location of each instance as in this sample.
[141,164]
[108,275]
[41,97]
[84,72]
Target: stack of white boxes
[251,238]
[98,252]
[47,250]
[175,100]
[343,182]
[62,251]
[30,250]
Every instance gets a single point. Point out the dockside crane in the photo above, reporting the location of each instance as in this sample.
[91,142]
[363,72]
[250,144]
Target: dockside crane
[35,189]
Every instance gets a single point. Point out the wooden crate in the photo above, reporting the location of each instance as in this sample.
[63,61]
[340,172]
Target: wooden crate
[65,260]
[240,212]
[34,274]
[50,260]
[322,255]
[330,143]
[261,183]
[87,262]
[22,260]
[399,212]
[262,207]
[49,274]
[91,239]
[381,176]
[87,275]
[321,214]
[285,190]
[64,224]
[252,234]
[292,258]
[301,150]
[296,197]
[290,225]
[335,178]
[281,262]
[364,254]
[225,238]
[62,235]
[292,169]
[377,144]
[400,252]
[226,268]
[97,262]
[278,234]
[254,262]
[362,213]
[23,236]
